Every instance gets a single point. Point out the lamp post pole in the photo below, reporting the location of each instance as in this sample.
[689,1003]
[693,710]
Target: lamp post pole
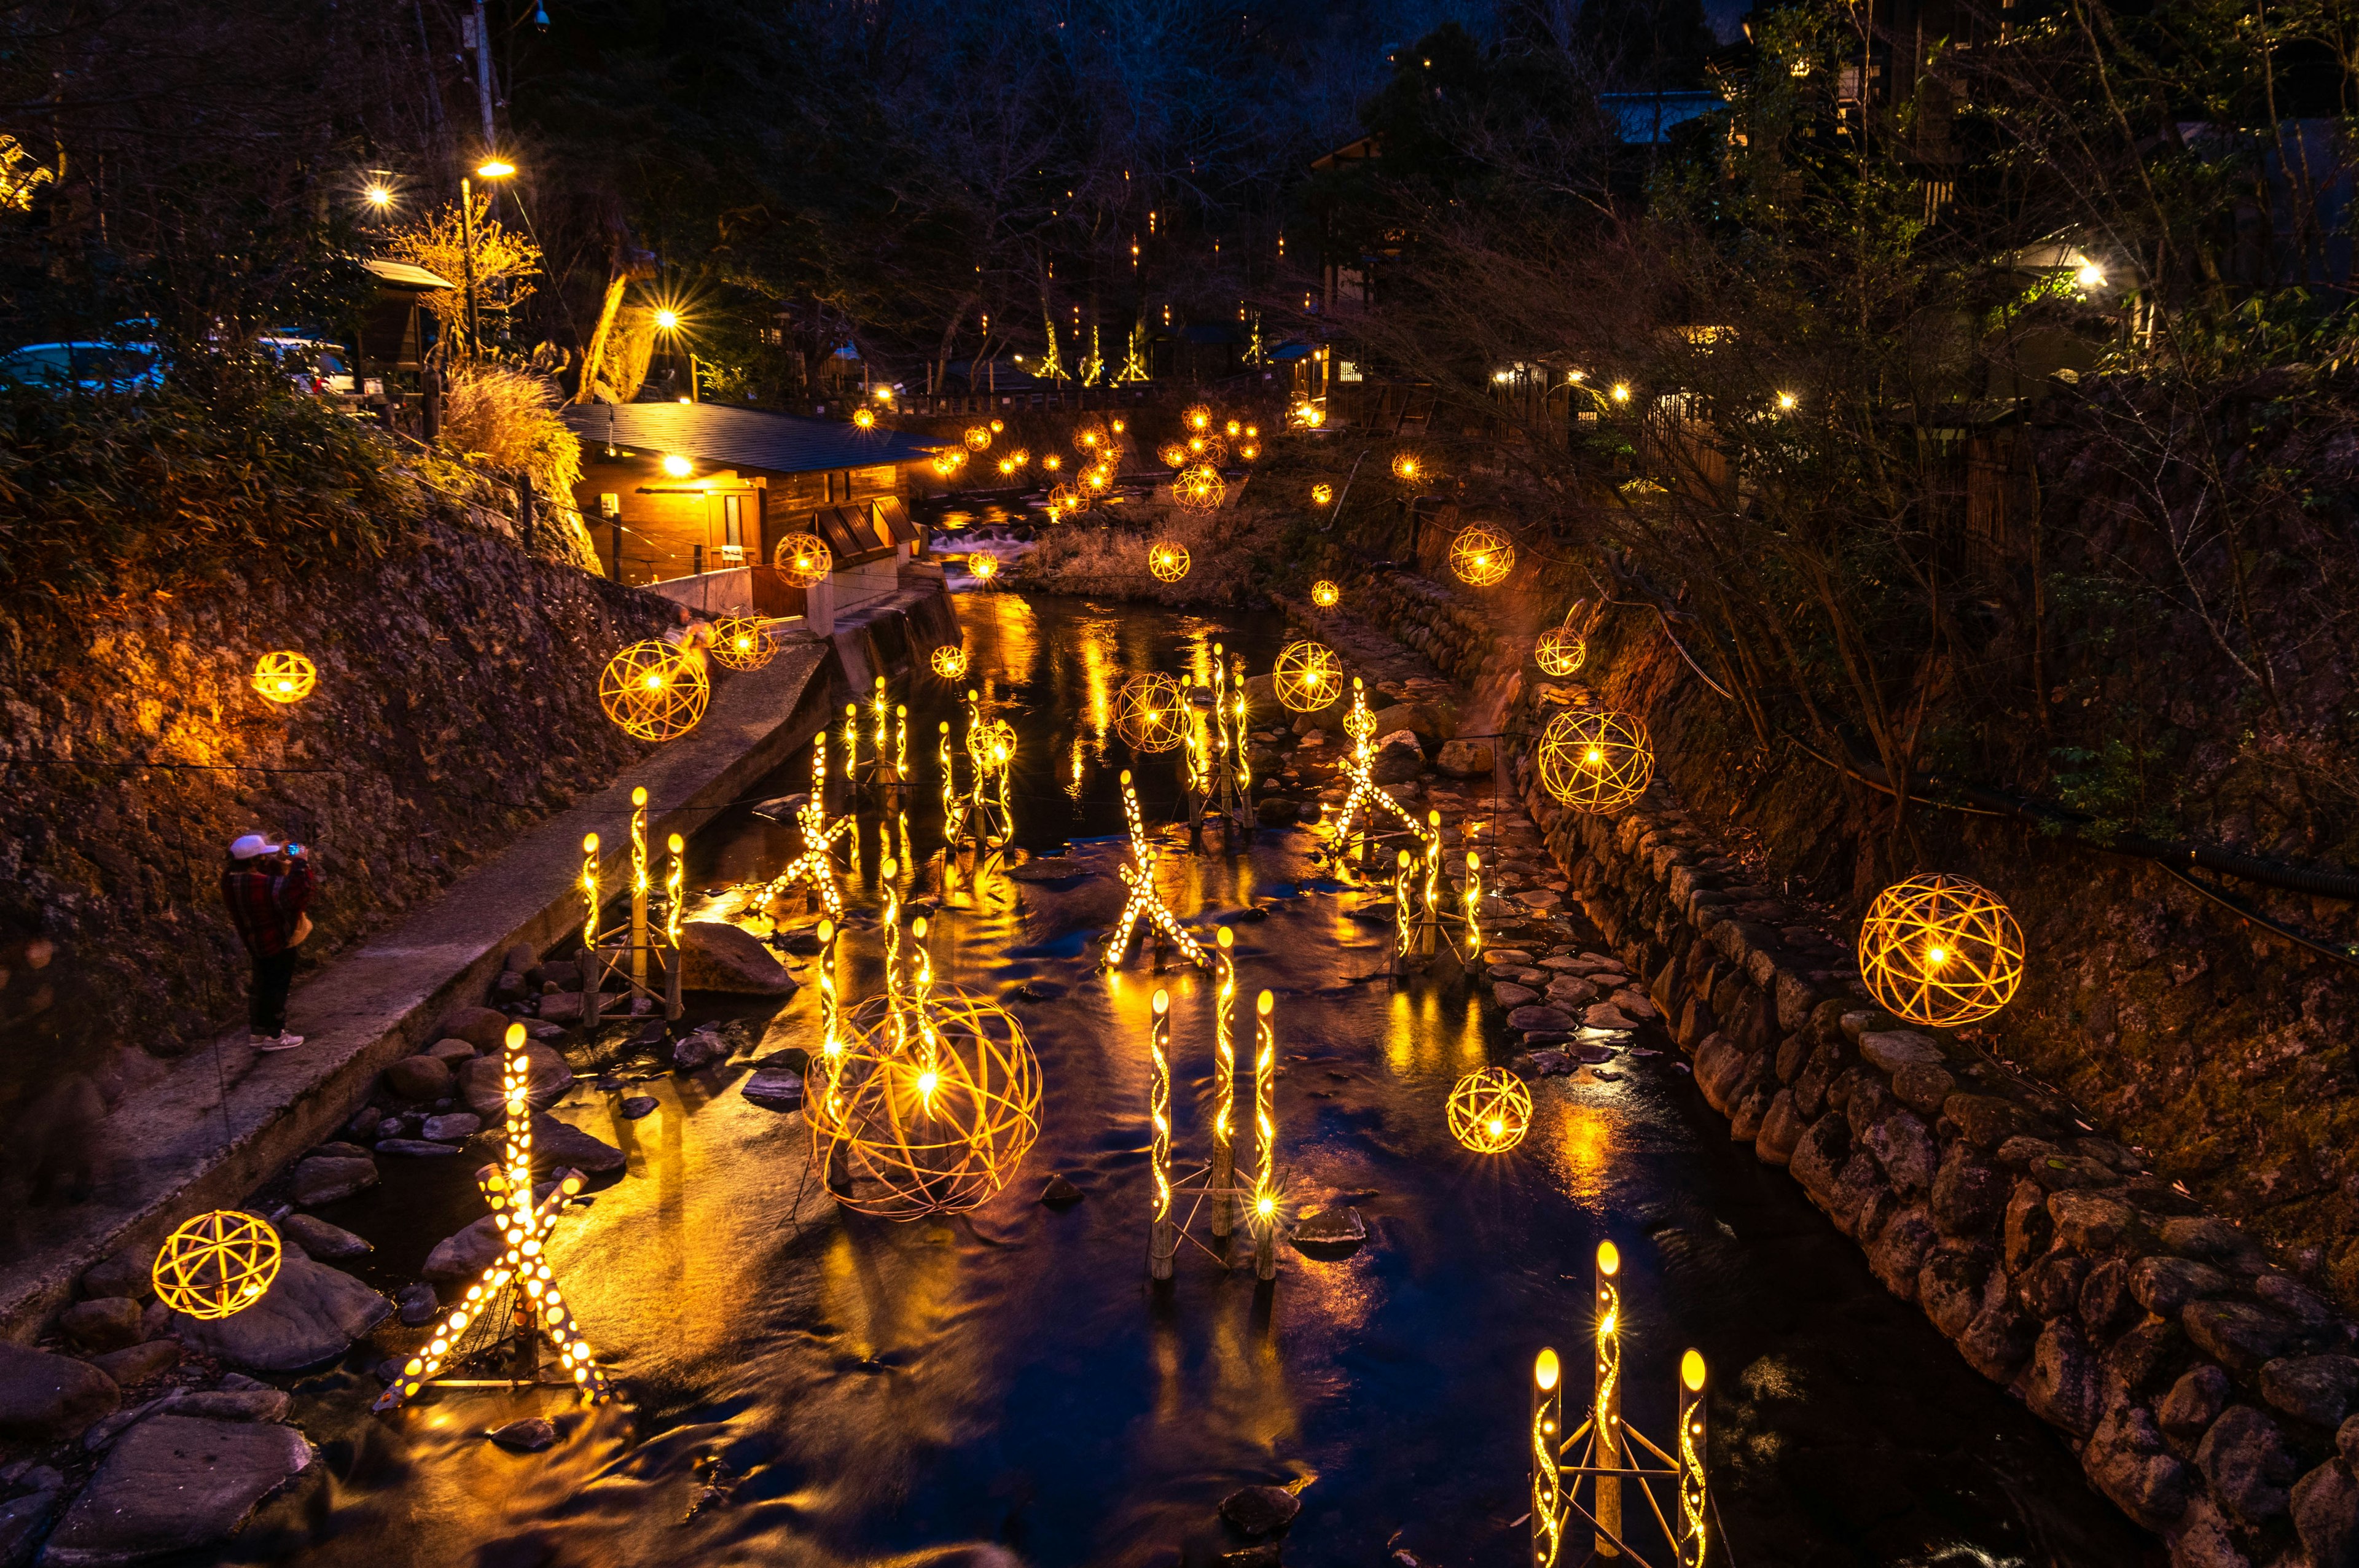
[467,261]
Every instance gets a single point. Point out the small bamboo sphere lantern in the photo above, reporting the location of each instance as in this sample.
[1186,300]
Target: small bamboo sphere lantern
[1308,676]
[1064,501]
[285,676]
[1490,1110]
[1172,454]
[1021,457]
[933,1131]
[742,642]
[1150,712]
[1051,461]
[1167,559]
[1325,594]
[977,437]
[865,418]
[1596,762]
[1197,418]
[1322,494]
[1406,468]
[1198,489]
[1249,451]
[1090,438]
[1560,651]
[984,567]
[653,693]
[216,1264]
[805,559]
[1941,950]
[949,661]
[1481,556]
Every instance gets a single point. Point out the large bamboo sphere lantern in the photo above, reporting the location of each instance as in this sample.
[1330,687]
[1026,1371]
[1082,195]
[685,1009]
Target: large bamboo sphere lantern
[1199,488]
[805,559]
[1490,1110]
[1560,651]
[933,1133]
[1325,594]
[1167,559]
[1481,556]
[1150,712]
[977,437]
[285,676]
[216,1264]
[949,661]
[742,642]
[652,692]
[1941,950]
[1308,676]
[1595,760]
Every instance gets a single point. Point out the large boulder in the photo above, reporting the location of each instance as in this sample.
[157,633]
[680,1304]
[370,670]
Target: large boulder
[2130,1462]
[481,1027]
[717,956]
[555,1143]
[325,1178]
[465,1255]
[1397,758]
[317,1238]
[2326,1516]
[419,1078]
[44,1397]
[106,1323]
[310,1314]
[1465,759]
[172,1483]
[2246,1458]
[546,1078]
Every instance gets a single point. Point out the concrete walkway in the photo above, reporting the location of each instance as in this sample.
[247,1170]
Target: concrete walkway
[177,1143]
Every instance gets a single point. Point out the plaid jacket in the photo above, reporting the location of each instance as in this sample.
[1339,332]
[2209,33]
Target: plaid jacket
[265,904]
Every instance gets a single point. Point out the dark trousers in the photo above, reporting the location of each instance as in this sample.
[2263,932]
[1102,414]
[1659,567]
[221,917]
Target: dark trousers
[272,977]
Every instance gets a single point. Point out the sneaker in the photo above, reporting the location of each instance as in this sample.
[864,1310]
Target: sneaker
[279,1041]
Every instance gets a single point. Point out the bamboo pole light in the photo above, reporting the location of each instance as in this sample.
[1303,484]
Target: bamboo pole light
[1481,556]
[949,661]
[1941,950]
[742,642]
[1167,560]
[1225,1086]
[1490,1110]
[1150,712]
[217,1264]
[1595,761]
[652,692]
[1308,676]
[1163,1238]
[285,676]
[1199,488]
[805,559]
[1325,594]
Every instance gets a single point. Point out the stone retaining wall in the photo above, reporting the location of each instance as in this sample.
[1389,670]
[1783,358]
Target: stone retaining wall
[1457,638]
[2208,1393]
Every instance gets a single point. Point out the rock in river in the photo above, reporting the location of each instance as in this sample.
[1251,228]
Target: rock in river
[1260,1510]
[775,1089]
[44,1397]
[556,1142]
[717,956]
[529,1436]
[310,1314]
[175,1483]
[321,1239]
[324,1178]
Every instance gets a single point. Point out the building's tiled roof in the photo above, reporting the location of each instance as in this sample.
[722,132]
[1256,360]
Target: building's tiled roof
[740,438]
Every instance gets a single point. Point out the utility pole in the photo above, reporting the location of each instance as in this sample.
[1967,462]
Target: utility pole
[481,41]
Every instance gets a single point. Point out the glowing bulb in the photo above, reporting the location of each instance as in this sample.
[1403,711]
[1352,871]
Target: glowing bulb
[1621,392]
[495,169]
[654,681]
[925,1082]
[1592,756]
[677,467]
[1546,1370]
[667,321]
[1265,1207]
[1936,956]
[379,197]
[2090,275]
[1785,401]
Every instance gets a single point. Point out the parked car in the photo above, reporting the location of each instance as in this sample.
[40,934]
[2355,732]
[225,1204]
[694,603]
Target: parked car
[91,367]
[315,364]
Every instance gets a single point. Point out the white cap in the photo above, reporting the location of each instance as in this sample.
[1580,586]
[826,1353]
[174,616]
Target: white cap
[251,844]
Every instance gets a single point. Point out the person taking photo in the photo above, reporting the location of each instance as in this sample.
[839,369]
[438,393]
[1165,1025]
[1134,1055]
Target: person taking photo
[266,886]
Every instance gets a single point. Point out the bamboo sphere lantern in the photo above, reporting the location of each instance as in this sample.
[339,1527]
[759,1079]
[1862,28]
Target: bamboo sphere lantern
[805,559]
[1490,1110]
[1560,651]
[1322,494]
[1406,468]
[1021,457]
[1325,594]
[1150,712]
[1090,437]
[742,642]
[216,1264]
[1167,559]
[653,693]
[984,567]
[1308,676]
[1098,480]
[977,437]
[865,418]
[1595,760]
[285,676]
[1197,418]
[1198,489]
[1941,950]
[949,661]
[1481,556]
[1064,501]
[1172,454]
[1249,451]
[933,1132]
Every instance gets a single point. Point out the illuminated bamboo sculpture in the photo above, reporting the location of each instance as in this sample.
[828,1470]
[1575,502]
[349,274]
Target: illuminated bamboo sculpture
[1481,556]
[1365,793]
[1167,560]
[1325,594]
[520,1276]
[1265,1202]
[1199,488]
[1406,468]
[1145,905]
[641,946]
[815,867]
[1490,1110]
[1163,1232]
[216,1265]
[1150,712]
[804,559]
[981,816]
[1470,905]
[1308,676]
[1197,416]
[949,661]
[1172,455]
[1225,1086]
[1609,1457]
[1941,950]
[742,642]
[1560,650]
[285,676]
[1216,1186]
[1595,760]
[977,437]
[653,692]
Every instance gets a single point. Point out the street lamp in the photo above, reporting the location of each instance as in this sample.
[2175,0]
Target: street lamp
[669,323]
[490,168]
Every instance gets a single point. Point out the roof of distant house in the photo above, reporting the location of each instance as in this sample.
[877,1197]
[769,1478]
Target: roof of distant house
[404,275]
[742,438]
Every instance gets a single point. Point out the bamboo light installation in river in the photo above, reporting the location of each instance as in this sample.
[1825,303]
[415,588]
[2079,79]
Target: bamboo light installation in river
[1145,904]
[633,950]
[815,867]
[1365,793]
[1215,1185]
[1608,1460]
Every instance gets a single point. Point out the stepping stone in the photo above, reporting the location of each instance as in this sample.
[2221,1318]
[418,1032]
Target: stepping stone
[775,1089]
[319,1239]
[44,1397]
[175,1483]
[310,1314]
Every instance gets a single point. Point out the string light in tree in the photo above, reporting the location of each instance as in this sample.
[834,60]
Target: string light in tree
[1940,951]
[285,676]
[1167,559]
[653,692]
[804,559]
[216,1265]
[1307,676]
[1490,1110]
[1150,712]
[1481,556]
[1595,761]
[742,642]
[1325,594]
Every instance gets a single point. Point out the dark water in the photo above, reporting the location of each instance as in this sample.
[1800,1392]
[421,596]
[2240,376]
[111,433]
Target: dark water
[863,1391]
